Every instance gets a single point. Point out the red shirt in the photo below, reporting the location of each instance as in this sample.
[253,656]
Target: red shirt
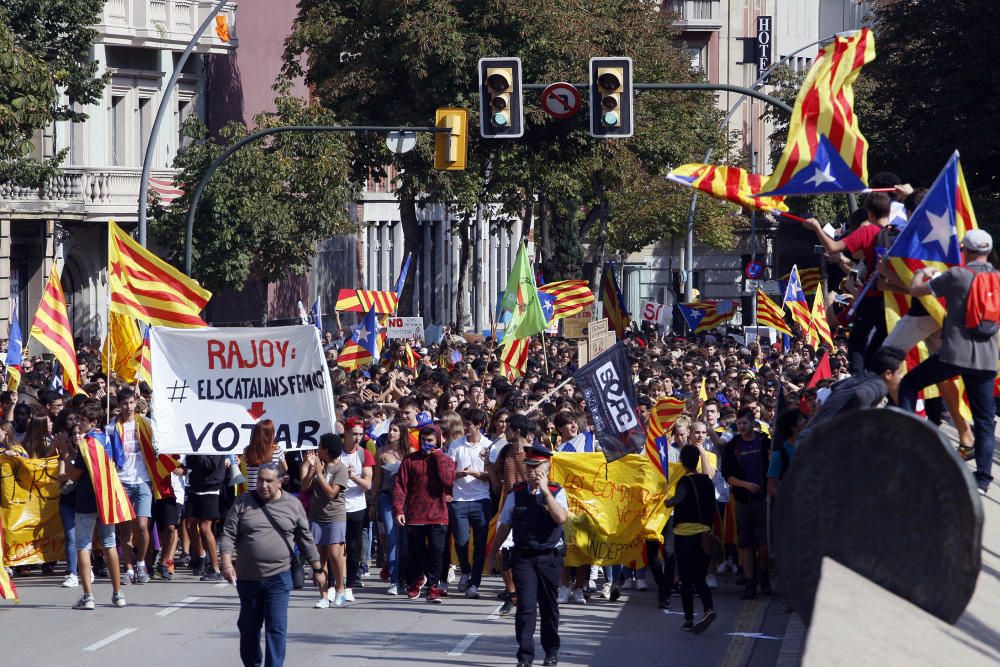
[422,487]
[862,240]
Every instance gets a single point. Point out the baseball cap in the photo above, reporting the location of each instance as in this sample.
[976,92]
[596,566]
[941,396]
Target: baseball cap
[977,240]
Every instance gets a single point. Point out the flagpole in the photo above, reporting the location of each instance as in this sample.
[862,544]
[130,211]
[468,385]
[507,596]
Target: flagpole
[107,321]
[545,353]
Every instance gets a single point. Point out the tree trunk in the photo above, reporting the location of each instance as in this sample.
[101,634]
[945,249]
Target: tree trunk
[463,313]
[413,244]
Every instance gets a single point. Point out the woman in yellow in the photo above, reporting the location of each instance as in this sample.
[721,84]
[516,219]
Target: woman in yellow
[694,510]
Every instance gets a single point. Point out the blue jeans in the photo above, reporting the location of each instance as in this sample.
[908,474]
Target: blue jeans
[979,386]
[67,514]
[474,514]
[395,538]
[264,602]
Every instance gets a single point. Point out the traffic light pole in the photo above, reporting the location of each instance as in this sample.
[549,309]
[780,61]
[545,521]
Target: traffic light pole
[724,87]
[217,162]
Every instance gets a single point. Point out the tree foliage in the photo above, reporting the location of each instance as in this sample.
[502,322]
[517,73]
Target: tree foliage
[44,51]
[267,205]
[396,62]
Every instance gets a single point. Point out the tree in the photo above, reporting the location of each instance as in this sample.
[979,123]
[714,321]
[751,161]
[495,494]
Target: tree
[394,63]
[47,71]
[267,205]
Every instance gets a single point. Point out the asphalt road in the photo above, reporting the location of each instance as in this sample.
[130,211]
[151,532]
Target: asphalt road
[170,623]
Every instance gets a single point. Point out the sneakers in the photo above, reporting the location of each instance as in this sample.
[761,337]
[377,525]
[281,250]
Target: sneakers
[434,595]
[322,603]
[349,595]
[640,585]
[706,620]
[71,581]
[628,584]
[141,576]
[413,592]
[712,581]
[688,626]
[452,574]
[663,599]
[184,560]
[472,592]
[463,583]
[443,587]
[86,602]
[577,597]
[615,593]
[213,575]
[508,605]
[605,593]
[563,596]
[339,600]
[128,577]
[165,572]
[118,599]
[393,589]
[197,566]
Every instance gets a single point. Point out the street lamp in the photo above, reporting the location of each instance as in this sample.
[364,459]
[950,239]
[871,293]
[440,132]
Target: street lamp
[759,83]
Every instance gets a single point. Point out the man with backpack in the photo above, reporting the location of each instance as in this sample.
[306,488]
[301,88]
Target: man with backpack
[968,341]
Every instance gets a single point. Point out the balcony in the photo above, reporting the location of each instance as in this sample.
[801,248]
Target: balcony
[82,193]
[167,24]
[696,15]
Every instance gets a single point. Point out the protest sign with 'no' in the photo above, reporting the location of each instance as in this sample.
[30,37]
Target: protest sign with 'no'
[212,385]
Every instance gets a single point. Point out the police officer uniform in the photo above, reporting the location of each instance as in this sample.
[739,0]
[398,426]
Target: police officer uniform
[536,562]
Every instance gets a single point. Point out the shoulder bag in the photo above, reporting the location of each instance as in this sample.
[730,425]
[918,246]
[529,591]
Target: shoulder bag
[298,572]
[710,544]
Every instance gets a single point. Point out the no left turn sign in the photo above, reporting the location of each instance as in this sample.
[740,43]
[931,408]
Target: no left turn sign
[561,100]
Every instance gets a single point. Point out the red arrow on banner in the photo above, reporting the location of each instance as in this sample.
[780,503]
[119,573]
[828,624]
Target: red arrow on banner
[256,409]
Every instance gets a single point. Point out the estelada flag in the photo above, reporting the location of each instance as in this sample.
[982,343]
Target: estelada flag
[52,329]
[819,325]
[795,300]
[113,505]
[146,288]
[665,412]
[614,303]
[572,296]
[825,107]
[730,184]
[362,348]
[702,316]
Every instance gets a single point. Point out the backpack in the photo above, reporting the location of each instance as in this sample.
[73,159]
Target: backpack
[884,240]
[982,305]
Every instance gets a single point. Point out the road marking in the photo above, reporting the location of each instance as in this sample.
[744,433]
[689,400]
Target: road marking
[223,584]
[751,635]
[464,645]
[96,646]
[667,612]
[747,621]
[495,614]
[174,607]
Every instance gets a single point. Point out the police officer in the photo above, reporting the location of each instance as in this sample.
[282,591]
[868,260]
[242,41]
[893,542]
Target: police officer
[535,512]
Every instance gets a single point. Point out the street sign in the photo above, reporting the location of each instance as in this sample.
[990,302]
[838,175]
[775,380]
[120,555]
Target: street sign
[401,142]
[754,269]
[404,327]
[561,100]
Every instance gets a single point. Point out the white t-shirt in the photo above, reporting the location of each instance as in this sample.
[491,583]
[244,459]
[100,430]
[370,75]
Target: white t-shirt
[468,455]
[354,496]
[134,471]
[579,444]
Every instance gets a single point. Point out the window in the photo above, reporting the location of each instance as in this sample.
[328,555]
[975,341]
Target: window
[184,109]
[119,131]
[145,124]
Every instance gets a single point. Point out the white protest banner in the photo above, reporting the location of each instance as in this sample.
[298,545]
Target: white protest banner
[652,312]
[404,327]
[212,385]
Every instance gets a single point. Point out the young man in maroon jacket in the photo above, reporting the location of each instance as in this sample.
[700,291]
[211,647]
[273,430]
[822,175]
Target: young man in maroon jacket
[420,506]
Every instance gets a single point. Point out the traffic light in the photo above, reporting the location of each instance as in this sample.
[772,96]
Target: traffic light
[450,148]
[611,97]
[501,103]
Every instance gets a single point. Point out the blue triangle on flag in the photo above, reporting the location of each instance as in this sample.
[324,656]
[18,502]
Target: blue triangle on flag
[548,303]
[692,316]
[827,173]
[931,234]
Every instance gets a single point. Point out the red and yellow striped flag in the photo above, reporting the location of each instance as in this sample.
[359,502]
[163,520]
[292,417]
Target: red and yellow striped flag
[665,412]
[809,279]
[122,349]
[52,329]
[145,365]
[572,296]
[819,325]
[146,288]
[514,357]
[361,301]
[113,505]
[730,184]
[769,314]
[825,106]
[411,357]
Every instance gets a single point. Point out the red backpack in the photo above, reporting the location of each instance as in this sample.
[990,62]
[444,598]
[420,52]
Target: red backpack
[982,305]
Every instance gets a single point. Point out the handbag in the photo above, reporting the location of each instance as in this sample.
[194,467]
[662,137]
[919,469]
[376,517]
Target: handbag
[710,544]
[298,572]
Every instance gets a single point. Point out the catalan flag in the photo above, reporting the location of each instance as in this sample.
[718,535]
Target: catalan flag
[795,300]
[514,357]
[411,356]
[825,107]
[362,348]
[122,352]
[52,329]
[146,288]
[665,412]
[931,237]
[15,352]
[809,279]
[361,301]
[113,505]
[614,303]
[819,326]
[770,314]
[145,365]
[572,296]
[703,316]
[731,184]
[8,591]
